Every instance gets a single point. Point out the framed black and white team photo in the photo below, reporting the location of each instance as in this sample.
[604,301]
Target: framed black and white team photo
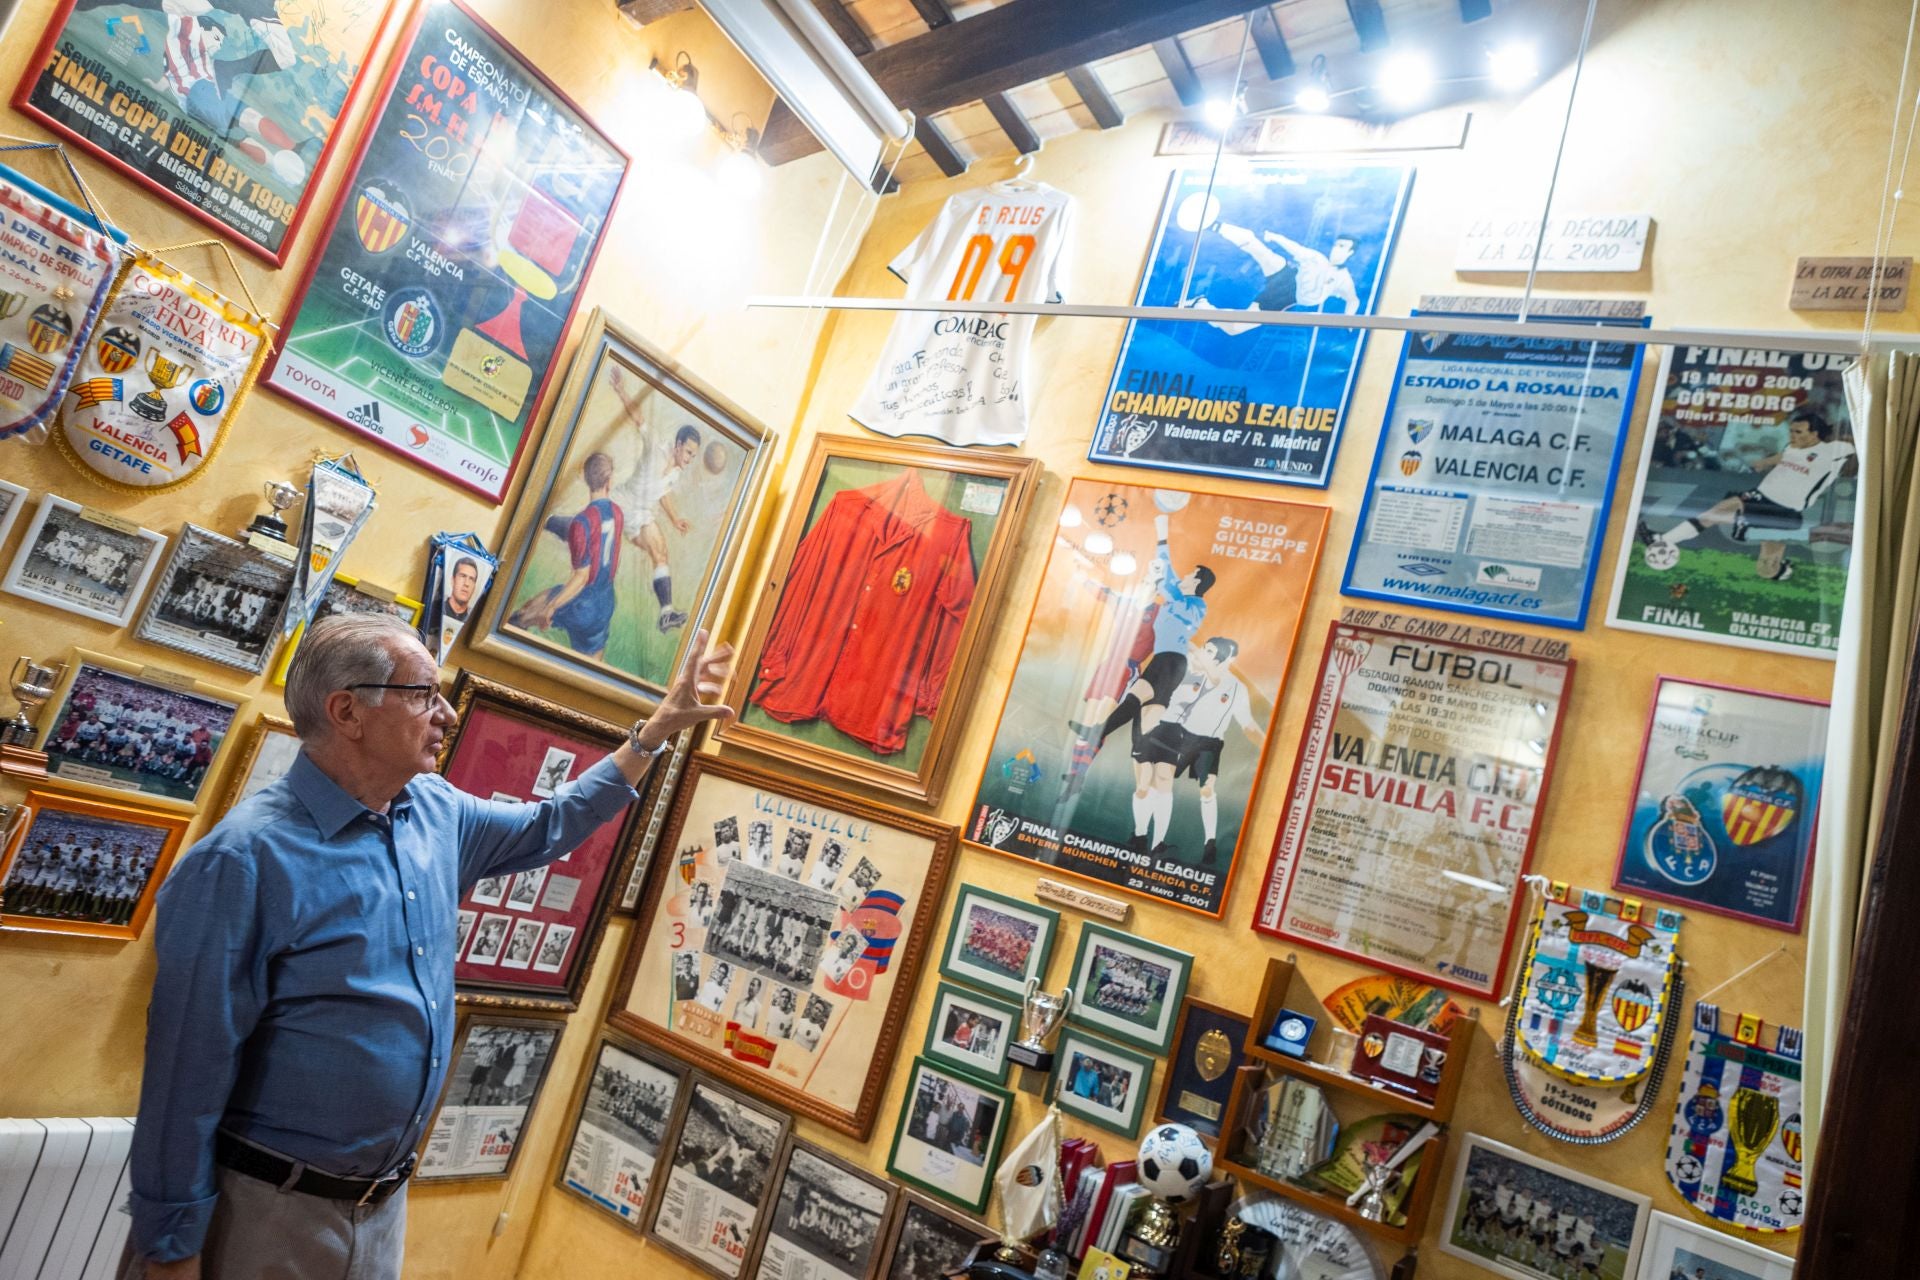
[718,1175]
[632,1099]
[13,500]
[1500,1196]
[499,1066]
[84,561]
[929,1240]
[827,1220]
[219,599]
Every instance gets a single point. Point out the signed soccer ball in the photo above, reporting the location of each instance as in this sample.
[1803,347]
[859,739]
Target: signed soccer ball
[1174,1163]
[1662,556]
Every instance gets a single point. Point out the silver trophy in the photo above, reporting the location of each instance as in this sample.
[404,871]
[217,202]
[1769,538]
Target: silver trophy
[280,496]
[1041,1016]
[32,685]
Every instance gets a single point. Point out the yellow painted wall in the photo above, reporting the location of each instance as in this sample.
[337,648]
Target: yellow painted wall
[1752,132]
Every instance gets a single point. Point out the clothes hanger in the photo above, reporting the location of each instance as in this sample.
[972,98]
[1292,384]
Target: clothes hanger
[1022,178]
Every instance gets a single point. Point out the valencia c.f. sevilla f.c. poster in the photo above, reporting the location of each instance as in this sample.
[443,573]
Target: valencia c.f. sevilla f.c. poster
[432,318]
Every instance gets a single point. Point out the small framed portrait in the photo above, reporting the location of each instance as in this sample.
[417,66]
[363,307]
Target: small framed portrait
[13,500]
[346,594]
[998,942]
[1099,1082]
[219,599]
[828,1218]
[118,728]
[929,1240]
[1127,987]
[632,513]
[950,1132]
[76,865]
[85,561]
[862,657]
[499,1066]
[1681,1249]
[632,1100]
[1209,1044]
[719,1173]
[506,744]
[266,752]
[972,1032]
[1609,1222]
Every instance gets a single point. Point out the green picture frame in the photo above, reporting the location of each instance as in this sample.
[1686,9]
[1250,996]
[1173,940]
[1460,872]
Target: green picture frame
[995,1023]
[1081,1056]
[985,922]
[1112,972]
[947,1140]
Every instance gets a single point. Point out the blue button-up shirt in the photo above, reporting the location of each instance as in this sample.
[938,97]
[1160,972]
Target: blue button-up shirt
[304,998]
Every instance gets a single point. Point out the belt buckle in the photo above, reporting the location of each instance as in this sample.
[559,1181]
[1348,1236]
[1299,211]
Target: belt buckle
[392,1181]
[367,1196]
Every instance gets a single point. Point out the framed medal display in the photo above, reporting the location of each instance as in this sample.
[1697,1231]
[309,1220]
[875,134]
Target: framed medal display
[779,947]
[1208,1047]
[529,939]
[861,659]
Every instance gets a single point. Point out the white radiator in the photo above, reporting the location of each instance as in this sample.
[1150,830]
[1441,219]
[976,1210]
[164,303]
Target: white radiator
[63,1197]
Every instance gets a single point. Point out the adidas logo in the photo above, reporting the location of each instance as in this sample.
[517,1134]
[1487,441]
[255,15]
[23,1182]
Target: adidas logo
[367,415]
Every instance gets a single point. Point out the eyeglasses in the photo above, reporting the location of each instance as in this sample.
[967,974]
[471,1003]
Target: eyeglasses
[419,697]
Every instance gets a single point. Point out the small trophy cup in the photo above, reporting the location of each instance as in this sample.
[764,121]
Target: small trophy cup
[166,375]
[1154,1240]
[1039,1019]
[32,685]
[280,496]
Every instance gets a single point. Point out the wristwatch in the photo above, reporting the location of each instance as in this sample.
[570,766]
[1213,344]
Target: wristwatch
[633,740]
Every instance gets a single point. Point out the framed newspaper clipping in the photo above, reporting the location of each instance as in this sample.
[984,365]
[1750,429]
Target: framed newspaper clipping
[631,1101]
[499,1068]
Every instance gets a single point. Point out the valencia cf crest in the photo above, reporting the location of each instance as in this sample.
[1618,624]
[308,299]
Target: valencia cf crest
[49,329]
[1410,462]
[381,217]
[1761,803]
[118,350]
[1632,1006]
[687,857]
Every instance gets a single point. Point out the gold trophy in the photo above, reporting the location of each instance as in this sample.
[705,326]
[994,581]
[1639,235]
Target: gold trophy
[11,303]
[32,685]
[1601,968]
[166,375]
[1753,1118]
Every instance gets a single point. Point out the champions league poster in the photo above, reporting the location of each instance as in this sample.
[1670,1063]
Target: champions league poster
[1231,398]
[433,316]
[1724,813]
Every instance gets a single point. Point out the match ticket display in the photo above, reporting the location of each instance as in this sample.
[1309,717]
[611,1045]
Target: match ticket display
[1411,814]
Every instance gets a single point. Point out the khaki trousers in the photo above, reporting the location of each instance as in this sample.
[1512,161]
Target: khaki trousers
[261,1233]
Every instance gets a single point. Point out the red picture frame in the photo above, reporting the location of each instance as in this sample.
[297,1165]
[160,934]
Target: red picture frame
[344,194]
[39,63]
[505,747]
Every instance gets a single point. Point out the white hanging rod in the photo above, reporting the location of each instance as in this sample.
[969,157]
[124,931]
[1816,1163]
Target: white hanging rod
[1798,343]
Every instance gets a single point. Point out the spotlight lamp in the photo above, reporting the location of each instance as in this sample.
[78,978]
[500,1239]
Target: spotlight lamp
[1513,65]
[1316,95]
[1405,79]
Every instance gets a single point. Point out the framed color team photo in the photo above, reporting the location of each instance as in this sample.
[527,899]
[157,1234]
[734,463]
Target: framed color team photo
[632,1100]
[83,560]
[634,509]
[218,599]
[265,754]
[264,86]
[971,1032]
[1726,802]
[1609,1222]
[82,866]
[778,948]
[533,935]
[997,942]
[499,1068]
[1127,987]
[929,1240]
[1100,1082]
[829,1219]
[949,1134]
[434,308]
[118,728]
[718,1178]
[862,655]
[1155,657]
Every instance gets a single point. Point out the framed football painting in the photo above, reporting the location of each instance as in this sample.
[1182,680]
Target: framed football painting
[81,866]
[861,659]
[634,509]
[528,940]
[778,950]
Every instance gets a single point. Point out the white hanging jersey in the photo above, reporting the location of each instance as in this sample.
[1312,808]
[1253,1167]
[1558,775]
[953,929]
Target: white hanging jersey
[962,378]
[1802,475]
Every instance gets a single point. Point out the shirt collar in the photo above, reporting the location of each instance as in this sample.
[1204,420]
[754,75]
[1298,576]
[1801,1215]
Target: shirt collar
[327,801]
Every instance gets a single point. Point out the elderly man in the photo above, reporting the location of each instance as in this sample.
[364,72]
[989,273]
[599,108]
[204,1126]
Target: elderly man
[302,1015]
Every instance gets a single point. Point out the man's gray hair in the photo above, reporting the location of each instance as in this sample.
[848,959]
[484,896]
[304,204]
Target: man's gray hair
[337,653]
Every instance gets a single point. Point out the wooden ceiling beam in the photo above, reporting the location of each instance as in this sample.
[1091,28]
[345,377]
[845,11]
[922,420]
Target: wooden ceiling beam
[1012,122]
[857,41]
[1004,48]
[1094,96]
[933,140]
[933,12]
[1370,23]
[1179,69]
[1275,57]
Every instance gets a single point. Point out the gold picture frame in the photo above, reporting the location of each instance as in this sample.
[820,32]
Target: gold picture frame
[47,885]
[861,493]
[262,746]
[405,608]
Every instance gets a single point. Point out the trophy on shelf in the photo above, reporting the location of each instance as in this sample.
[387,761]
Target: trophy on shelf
[1753,1118]
[280,496]
[1373,1199]
[1041,1016]
[32,685]
[166,375]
